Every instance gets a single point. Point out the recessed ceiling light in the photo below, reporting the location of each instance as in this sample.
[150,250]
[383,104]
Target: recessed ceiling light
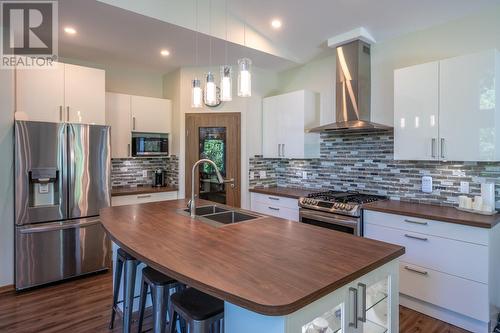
[276,23]
[70,30]
[165,53]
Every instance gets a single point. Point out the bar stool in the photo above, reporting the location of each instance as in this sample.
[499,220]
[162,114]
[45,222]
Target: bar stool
[128,264]
[202,312]
[160,285]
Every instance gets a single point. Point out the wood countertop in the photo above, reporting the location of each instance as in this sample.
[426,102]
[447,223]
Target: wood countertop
[279,191]
[133,190]
[433,212]
[268,265]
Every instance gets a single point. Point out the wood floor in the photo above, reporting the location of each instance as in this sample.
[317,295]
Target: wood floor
[83,305]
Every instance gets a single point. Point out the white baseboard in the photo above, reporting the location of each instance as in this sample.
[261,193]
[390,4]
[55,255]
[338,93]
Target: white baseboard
[445,315]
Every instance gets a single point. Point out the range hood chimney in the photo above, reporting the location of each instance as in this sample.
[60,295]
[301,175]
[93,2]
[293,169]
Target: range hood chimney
[352,90]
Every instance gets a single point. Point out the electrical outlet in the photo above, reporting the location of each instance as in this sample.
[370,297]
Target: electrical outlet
[304,174]
[252,175]
[427,184]
[464,187]
[262,174]
[144,173]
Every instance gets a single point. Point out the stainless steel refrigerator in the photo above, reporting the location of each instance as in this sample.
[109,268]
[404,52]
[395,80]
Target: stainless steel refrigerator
[62,179]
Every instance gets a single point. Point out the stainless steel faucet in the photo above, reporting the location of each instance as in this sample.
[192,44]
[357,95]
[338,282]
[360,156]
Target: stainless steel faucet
[192,204]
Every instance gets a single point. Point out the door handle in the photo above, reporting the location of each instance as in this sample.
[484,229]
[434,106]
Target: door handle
[354,323]
[362,286]
[128,149]
[433,147]
[67,114]
[416,237]
[416,222]
[230,181]
[59,226]
[418,271]
[133,123]
[442,148]
[274,198]
[60,113]
[144,196]
[279,149]
[283,149]
[273,208]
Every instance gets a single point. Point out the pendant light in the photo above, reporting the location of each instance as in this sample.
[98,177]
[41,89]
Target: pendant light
[226,85]
[196,93]
[210,87]
[244,72]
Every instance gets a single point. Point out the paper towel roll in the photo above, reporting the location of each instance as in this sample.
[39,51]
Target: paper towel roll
[488,195]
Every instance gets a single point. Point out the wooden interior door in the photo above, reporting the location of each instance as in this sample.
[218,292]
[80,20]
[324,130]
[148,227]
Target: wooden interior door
[197,126]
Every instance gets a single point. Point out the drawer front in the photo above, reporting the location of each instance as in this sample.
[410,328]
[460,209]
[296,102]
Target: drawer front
[450,292]
[273,200]
[450,256]
[277,211]
[429,227]
[143,198]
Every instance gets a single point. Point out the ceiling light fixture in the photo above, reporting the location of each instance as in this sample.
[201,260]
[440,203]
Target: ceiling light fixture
[276,23]
[244,72]
[226,86]
[165,53]
[70,30]
[196,92]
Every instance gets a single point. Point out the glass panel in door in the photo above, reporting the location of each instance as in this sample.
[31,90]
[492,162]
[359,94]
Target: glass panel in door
[212,146]
[377,307]
[329,322]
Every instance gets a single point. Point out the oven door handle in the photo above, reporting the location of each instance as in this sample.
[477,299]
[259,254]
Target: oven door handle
[333,220]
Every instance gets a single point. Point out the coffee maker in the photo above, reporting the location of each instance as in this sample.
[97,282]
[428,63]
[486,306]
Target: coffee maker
[160,178]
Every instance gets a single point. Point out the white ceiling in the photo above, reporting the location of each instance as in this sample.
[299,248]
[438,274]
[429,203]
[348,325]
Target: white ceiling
[111,35]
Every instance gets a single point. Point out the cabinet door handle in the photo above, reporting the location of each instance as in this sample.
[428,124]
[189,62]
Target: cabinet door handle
[283,149]
[60,113]
[128,149]
[416,237]
[362,286]
[416,222]
[133,123]
[433,147]
[418,271]
[144,196]
[442,148]
[354,292]
[273,208]
[67,114]
[274,198]
[279,149]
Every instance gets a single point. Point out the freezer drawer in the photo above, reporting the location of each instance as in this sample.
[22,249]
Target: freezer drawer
[54,251]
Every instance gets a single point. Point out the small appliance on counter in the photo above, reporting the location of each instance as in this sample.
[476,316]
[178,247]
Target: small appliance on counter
[160,178]
[481,204]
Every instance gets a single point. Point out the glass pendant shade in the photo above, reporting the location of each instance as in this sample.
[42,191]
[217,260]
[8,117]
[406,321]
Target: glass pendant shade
[196,94]
[226,85]
[244,77]
[210,90]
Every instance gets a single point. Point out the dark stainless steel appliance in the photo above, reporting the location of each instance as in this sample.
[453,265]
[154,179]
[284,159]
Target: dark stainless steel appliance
[339,211]
[149,144]
[160,178]
[62,178]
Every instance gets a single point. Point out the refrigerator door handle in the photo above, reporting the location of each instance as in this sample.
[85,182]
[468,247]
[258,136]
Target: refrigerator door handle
[59,226]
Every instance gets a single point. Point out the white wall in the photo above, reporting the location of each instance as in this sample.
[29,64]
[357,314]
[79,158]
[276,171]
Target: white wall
[466,35]
[6,177]
[264,84]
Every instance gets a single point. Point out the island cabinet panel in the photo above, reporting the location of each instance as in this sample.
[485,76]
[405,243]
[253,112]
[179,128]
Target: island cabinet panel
[448,271]
[286,208]
[143,198]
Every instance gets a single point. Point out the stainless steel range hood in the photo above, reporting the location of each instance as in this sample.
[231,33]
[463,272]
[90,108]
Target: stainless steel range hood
[352,90]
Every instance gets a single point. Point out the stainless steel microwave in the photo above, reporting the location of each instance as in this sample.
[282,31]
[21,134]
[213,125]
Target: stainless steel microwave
[149,144]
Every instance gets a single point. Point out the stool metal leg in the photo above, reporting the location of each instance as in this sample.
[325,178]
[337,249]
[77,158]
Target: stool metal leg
[159,309]
[142,304]
[116,290]
[196,326]
[128,292]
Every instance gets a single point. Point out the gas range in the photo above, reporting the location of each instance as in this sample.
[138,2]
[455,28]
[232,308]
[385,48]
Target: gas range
[343,203]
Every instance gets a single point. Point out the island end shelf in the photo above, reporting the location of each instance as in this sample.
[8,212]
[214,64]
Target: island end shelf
[274,275]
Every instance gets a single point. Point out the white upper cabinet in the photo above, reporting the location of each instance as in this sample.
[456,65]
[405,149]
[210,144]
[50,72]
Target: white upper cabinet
[416,101]
[469,123]
[65,93]
[118,117]
[286,119]
[84,94]
[448,110]
[40,93]
[152,115]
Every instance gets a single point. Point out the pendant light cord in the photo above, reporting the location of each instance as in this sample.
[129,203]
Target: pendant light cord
[196,33]
[210,32]
[225,5]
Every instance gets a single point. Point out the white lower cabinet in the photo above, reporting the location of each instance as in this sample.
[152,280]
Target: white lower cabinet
[449,271]
[286,208]
[143,198]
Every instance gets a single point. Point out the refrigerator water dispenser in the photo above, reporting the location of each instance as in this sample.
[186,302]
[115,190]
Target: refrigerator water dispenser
[43,187]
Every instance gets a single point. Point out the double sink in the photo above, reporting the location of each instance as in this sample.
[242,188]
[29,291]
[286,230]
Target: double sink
[219,216]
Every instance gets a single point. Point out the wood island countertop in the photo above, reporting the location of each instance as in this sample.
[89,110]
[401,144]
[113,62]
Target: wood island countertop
[434,212]
[269,265]
[134,190]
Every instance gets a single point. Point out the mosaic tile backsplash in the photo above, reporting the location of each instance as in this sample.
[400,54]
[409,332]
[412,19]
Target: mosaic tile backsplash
[129,171]
[364,162]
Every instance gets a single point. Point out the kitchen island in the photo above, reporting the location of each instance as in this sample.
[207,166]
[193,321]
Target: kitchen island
[274,275]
